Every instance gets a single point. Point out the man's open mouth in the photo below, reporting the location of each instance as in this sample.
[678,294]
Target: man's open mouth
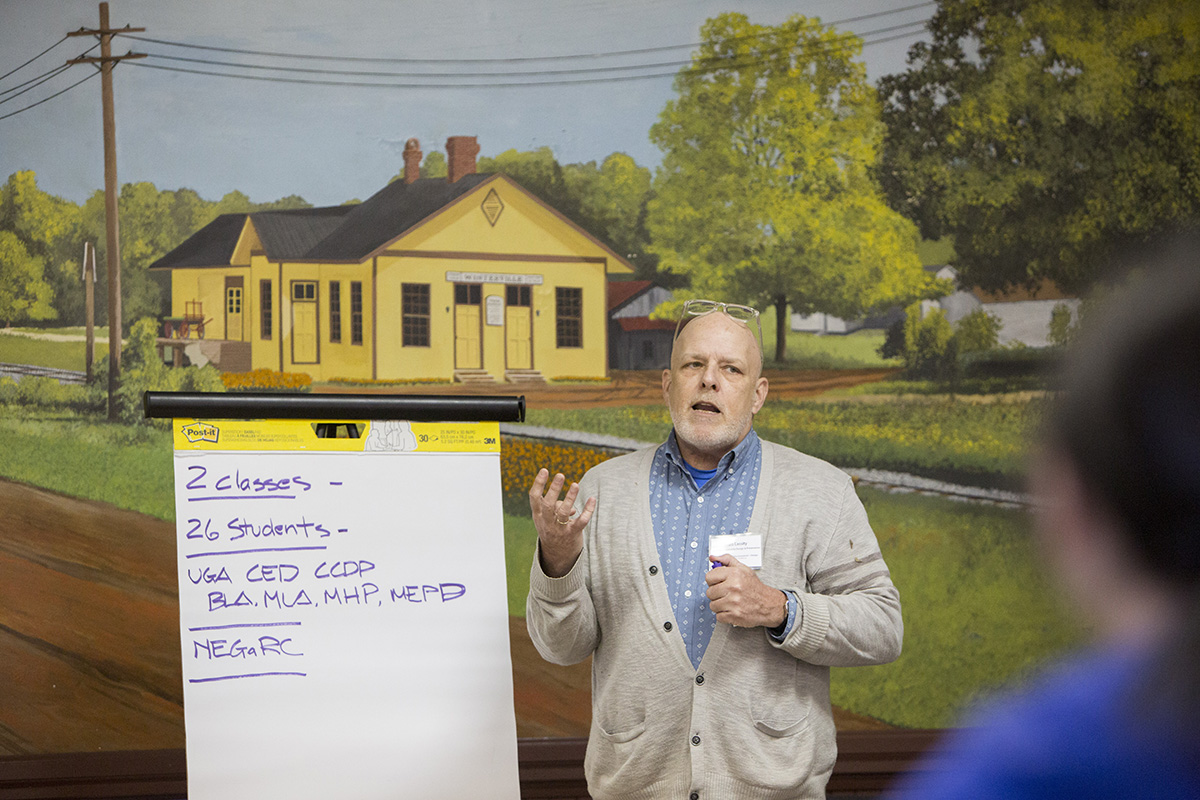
[707,407]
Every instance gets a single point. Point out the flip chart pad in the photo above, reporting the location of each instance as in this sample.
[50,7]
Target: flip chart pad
[343,612]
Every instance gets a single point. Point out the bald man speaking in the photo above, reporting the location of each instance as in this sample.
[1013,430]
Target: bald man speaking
[714,580]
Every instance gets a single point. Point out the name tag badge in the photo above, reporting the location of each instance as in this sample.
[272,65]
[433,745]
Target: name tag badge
[745,547]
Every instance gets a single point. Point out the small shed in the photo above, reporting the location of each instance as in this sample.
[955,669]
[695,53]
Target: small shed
[634,340]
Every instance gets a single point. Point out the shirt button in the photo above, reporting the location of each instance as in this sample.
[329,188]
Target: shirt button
[699,680]
[695,740]
[654,570]
[687,593]
[695,545]
[667,626]
[699,499]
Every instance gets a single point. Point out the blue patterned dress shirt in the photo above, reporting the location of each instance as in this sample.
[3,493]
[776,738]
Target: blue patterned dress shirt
[684,516]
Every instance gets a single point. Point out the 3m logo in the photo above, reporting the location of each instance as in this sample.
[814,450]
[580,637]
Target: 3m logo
[489,440]
[201,432]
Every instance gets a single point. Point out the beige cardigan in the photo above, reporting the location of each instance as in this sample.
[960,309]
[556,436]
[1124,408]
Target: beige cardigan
[754,720]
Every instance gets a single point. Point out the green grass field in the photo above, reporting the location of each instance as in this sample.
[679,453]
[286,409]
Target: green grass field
[829,351]
[59,355]
[83,456]
[979,613]
[981,444]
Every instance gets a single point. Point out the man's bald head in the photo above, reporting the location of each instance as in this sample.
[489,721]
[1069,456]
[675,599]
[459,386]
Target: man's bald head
[741,339]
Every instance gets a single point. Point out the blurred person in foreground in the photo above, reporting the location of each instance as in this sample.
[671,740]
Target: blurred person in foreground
[1117,485]
[710,670]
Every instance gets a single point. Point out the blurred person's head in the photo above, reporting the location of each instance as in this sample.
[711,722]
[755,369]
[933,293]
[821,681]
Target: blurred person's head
[1118,474]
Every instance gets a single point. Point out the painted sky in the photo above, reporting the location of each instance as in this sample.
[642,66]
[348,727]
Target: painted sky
[330,144]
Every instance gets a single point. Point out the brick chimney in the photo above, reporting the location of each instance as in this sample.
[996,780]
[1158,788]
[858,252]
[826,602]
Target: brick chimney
[460,157]
[412,160]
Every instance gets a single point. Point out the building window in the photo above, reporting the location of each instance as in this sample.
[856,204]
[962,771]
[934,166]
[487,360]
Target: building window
[335,312]
[356,321]
[468,294]
[414,308]
[265,309]
[569,316]
[518,296]
[304,290]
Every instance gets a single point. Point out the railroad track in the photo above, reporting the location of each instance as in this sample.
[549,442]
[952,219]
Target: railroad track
[18,371]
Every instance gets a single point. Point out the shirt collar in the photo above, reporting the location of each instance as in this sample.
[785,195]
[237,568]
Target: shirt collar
[745,451]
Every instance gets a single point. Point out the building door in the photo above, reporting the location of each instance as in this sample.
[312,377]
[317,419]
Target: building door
[304,322]
[518,327]
[233,309]
[468,326]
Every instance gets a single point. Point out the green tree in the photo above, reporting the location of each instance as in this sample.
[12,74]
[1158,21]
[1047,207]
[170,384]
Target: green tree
[612,206]
[24,292]
[48,228]
[539,172]
[1062,327]
[977,331]
[146,232]
[930,349]
[1044,134]
[765,193]
[434,165]
[608,201]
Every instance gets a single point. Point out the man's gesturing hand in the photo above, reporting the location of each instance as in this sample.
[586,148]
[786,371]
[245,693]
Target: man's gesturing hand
[559,530]
[738,597]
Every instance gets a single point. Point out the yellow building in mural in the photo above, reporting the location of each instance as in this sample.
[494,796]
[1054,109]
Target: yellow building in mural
[469,277]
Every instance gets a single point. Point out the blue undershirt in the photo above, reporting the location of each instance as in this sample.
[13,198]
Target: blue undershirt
[700,476]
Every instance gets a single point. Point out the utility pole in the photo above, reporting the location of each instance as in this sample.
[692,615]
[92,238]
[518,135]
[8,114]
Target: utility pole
[112,242]
[89,300]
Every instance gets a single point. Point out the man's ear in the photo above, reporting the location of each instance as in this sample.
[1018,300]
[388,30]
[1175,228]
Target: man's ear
[666,385]
[760,395]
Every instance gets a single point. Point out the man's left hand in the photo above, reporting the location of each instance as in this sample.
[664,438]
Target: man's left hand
[740,599]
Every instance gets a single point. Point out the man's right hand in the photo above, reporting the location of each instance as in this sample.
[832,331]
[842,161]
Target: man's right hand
[559,529]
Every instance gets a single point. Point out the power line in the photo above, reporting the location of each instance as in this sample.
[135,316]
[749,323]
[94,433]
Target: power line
[515,59]
[484,85]
[837,43]
[47,75]
[35,58]
[51,97]
[38,81]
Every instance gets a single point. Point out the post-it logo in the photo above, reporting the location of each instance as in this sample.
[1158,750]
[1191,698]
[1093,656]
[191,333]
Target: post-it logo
[201,432]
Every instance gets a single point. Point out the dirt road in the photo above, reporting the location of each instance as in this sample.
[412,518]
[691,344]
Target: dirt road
[631,387]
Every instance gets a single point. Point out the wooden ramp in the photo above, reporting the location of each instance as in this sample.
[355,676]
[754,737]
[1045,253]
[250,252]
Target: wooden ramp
[89,627]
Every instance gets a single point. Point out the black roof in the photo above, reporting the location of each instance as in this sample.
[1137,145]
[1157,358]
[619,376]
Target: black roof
[349,233]
[289,235]
[394,209]
[285,235]
[330,233]
[210,246]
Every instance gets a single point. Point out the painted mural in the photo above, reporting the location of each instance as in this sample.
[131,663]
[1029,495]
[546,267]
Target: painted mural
[919,263]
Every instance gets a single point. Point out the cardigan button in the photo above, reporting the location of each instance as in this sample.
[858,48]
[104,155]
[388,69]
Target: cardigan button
[695,740]
[667,626]
[699,680]
[694,796]
[653,570]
